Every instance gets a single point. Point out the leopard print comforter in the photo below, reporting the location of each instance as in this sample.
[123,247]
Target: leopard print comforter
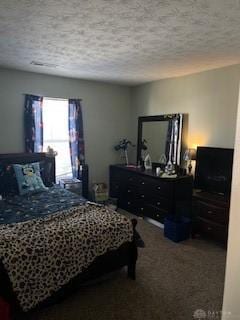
[42,255]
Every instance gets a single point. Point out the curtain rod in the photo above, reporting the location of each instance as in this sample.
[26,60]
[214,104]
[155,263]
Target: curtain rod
[53,98]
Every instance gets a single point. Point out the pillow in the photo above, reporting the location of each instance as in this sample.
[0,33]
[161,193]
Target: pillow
[28,178]
[8,181]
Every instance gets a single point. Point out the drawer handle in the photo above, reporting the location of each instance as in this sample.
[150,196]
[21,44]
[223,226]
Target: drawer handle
[129,191]
[143,182]
[158,203]
[142,196]
[210,211]
[129,202]
[209,228]
[141,209]
[158,215]
[158,187]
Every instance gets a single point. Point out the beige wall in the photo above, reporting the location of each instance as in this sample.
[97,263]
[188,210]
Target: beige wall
[209,98]
[232,281]
[105,113]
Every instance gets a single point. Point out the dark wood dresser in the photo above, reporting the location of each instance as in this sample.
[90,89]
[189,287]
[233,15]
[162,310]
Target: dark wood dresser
[145,194]
[211,215]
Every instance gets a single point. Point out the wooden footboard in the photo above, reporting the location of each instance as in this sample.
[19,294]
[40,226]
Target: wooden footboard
[133,255]
[7,300]
[4,310]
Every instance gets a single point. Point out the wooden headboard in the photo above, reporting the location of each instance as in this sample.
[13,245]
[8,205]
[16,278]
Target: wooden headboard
[49,165]
[23,158]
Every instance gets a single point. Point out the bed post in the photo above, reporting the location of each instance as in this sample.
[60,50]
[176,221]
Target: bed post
[84,179]
[133,255]
[4,310]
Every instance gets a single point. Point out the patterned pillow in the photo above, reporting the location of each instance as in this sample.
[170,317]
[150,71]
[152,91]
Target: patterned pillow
[8,181]
[29,178]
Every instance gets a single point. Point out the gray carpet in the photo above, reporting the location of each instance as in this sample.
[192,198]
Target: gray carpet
[172,281]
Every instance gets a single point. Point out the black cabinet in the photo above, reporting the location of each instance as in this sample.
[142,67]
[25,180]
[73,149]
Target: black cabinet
[211,215]
[145,194]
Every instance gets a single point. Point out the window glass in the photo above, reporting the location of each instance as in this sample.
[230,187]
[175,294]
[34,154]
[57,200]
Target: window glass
[56,135]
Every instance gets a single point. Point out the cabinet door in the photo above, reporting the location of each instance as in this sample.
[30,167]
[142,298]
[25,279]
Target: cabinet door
[117,182]
[211,212]
[115,189]
[213,230]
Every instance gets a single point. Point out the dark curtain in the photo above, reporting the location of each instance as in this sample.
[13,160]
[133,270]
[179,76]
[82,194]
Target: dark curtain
[76,135]
[172,140]
[33,124]
[169,140]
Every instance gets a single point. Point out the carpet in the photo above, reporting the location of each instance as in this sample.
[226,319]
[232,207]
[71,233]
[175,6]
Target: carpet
[173,281]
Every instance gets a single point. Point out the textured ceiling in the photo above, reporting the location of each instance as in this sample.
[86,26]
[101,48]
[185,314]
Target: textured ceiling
[124,41]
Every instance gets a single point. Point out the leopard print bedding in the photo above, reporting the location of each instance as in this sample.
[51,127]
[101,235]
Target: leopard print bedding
[42,255]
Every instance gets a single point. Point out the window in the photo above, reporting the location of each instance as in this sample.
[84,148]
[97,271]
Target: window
[56,134]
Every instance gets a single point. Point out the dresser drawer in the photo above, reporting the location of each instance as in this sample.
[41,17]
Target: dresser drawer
[209,228]
[138,194]
[144,194]
[160,203]
[130,191]
[132,205]
[211,212]
[162,188]
[146,185]
[132,179]
[131,195]
[154,213]
[141,183]
[124,177]
[150,185]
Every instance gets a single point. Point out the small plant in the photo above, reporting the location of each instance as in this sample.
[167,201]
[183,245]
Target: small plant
[123,146]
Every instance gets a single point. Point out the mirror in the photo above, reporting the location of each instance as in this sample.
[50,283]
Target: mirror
[161,135]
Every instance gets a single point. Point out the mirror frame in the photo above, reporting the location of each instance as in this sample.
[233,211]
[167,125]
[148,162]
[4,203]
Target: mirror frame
[164,117]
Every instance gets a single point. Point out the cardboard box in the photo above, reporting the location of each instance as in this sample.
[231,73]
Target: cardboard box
[100,192]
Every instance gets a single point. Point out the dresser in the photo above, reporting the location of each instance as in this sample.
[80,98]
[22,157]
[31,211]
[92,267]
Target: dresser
[210,215]
[147,195]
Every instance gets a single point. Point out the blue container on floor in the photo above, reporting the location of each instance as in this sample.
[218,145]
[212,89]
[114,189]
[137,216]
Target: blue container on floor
[177,229]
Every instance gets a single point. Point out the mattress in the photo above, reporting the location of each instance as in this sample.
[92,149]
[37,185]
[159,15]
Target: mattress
[23,208]
[48,238]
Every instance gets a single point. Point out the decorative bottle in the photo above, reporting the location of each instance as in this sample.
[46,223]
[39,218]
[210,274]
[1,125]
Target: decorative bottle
[148,162]
[163,161]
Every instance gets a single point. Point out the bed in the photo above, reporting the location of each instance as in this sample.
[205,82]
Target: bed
[43,255]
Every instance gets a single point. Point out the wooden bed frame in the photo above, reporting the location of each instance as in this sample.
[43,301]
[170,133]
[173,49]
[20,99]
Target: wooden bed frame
[126,255]
[49,165]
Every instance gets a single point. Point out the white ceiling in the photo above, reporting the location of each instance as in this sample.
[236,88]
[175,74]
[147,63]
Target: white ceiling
[123,41]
